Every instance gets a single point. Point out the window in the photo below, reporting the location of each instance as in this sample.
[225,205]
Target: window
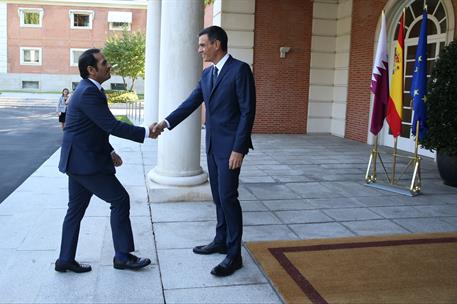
[74,56]
[30,56]
[31,17]
[118,21]
[81,19]
[30,84]
[74,84]
[437,28]
[119,26]
[118,86]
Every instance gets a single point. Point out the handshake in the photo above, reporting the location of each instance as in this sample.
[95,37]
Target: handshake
[156,129]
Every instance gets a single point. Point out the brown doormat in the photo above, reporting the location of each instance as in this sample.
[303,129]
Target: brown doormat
[414,268]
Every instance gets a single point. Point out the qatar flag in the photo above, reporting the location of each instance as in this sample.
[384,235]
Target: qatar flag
[380,81]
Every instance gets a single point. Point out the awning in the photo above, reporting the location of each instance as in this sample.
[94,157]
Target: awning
[124,17]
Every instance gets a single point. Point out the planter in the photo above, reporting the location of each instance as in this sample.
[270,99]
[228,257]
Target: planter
[447,167]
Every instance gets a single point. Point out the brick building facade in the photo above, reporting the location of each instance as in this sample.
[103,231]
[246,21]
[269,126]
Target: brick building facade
[322,84]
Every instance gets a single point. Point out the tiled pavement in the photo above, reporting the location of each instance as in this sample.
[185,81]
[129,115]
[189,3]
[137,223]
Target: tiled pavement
[292,187]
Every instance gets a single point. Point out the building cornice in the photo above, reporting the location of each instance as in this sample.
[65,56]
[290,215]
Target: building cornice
[139,4]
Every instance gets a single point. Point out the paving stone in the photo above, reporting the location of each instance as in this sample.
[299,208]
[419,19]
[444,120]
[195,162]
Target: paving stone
[23,275]
[265,192]
[144,286]
[303,216]
[398,212]
[256,179]
[181,268]
[267,233]
[374,227]
[299,204]
[351,214]
[252,206]
[183,212]
[425,225]
[260,218]
[184,234]
[258,293]
[321,230]
[341,202]
[68,287]
[313,190]
[444,210]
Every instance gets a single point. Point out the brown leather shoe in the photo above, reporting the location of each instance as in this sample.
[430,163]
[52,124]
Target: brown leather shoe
[133,263]
[72,266]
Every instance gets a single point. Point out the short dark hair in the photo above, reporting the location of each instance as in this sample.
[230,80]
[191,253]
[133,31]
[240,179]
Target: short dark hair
[87,59]
[215,33]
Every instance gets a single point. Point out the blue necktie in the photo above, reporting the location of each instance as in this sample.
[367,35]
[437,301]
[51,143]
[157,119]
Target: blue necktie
[214,77]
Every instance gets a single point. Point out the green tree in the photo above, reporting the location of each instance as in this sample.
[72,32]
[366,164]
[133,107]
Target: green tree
[127,52]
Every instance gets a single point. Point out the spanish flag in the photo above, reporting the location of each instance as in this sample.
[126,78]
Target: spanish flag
[395,104]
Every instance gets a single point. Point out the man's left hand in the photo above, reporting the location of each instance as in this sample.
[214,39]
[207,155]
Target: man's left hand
[235,161]
[117,160]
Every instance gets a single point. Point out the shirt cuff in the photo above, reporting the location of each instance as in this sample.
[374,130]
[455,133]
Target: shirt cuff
[168,124]
[112,152]
[146,132]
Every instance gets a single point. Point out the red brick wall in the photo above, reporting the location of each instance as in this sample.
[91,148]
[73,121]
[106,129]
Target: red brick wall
[55,37]
[282,84]
[365,15]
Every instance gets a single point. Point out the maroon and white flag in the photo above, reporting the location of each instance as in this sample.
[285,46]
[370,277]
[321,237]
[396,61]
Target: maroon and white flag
[380,81]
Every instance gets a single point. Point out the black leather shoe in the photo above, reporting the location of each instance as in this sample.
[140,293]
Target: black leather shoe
[227,267]
[133,263]
[210,248]
[72,266]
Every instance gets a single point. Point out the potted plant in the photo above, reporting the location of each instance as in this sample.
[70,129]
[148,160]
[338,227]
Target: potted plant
[442,114]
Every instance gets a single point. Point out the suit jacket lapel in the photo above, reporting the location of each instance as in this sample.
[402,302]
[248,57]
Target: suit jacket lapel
[101,93]
[221,74]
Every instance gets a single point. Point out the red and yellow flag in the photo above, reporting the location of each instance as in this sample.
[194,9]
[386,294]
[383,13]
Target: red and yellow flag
[395,104]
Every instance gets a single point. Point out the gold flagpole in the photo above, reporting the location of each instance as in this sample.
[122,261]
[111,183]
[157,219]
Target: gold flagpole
[415,186]
[371,178]
[394,161]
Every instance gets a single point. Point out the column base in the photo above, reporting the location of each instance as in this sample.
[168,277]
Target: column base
[178,189]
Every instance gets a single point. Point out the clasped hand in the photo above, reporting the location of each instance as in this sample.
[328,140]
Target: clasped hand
[156,129]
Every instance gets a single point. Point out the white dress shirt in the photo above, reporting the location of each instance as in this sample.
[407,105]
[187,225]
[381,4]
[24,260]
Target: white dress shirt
[99,86]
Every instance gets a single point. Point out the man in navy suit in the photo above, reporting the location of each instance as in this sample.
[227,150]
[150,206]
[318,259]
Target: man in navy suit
[228,91]
[89,160]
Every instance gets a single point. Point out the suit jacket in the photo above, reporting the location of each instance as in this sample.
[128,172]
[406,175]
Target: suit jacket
[230,108]
[89,122]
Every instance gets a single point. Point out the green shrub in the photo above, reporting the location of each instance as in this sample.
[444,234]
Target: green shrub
[116,96]
[442,103]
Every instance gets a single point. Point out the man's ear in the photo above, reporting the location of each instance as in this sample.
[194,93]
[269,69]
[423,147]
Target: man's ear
[217,44]
[90,70]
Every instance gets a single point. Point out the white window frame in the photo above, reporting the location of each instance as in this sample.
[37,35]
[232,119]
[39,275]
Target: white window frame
[72,56]
[23,10]
[119,17]
[72,13]
[113,28]
[40,55]
[37,81]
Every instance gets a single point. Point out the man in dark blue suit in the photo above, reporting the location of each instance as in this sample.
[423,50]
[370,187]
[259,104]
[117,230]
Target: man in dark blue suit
[88,159]
[228,91]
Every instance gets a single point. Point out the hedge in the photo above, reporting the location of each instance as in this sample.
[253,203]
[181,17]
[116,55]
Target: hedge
[119,96]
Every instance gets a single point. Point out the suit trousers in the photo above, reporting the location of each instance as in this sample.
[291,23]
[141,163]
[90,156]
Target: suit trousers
[108,188]
[224,187]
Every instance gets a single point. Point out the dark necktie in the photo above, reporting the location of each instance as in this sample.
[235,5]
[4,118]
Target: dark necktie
[214,77]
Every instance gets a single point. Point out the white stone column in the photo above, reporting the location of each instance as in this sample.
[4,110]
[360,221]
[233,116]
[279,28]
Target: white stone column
[151,79]
[178,160]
